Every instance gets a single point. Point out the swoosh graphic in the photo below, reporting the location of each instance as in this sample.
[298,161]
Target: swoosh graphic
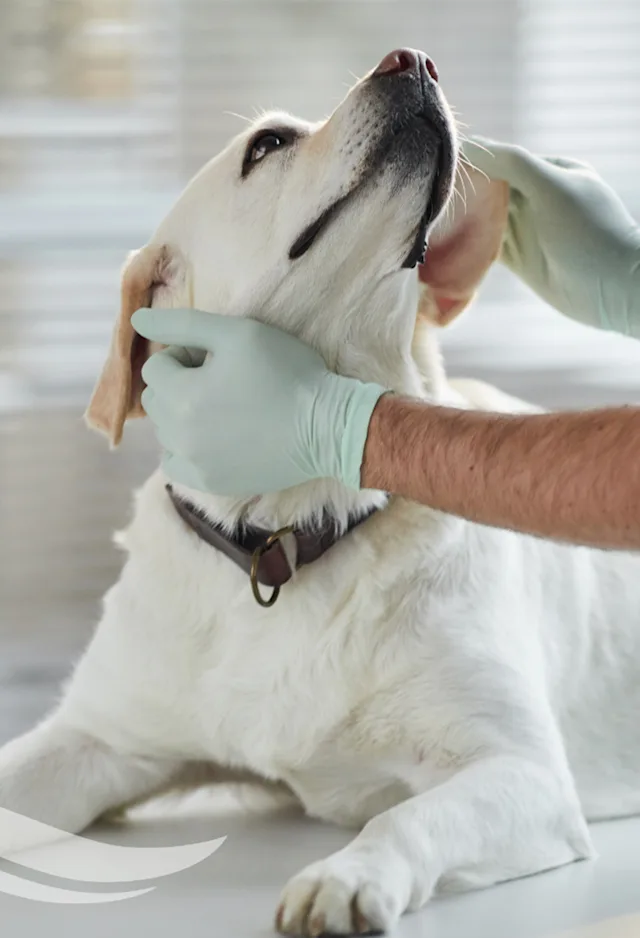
[37,892]
[73,857]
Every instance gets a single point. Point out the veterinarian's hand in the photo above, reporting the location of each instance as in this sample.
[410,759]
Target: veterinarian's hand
[259,413]
[569,237]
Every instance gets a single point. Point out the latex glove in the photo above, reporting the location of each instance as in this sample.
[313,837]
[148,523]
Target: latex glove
[259,414]
[569,237]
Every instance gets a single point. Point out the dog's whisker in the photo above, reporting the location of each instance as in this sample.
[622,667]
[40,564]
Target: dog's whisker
[242,117]
[478,145]
[461,194]
[467,176]
[463,163]
[464,138]
[449,209]
[458,122]
[463,174]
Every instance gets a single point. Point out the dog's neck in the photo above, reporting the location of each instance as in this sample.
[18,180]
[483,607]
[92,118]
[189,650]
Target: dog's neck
[372,339]
[375,343]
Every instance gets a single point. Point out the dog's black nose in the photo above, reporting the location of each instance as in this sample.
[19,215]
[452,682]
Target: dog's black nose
[406,60]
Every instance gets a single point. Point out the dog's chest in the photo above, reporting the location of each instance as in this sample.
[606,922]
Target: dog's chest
[313,692]
[272,695]
[303,715]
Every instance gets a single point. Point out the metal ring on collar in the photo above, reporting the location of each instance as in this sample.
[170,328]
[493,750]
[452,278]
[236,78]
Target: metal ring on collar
[255,562]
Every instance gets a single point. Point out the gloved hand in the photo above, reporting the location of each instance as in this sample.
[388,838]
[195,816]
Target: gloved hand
[258,414]
[569,237]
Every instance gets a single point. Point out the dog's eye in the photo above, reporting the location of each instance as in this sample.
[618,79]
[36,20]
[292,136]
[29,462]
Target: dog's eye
[261,146]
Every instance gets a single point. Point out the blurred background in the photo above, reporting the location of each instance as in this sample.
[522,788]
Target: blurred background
[108,106]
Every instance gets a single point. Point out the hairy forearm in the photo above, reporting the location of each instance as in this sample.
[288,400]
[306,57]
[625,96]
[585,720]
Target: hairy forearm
[571,476]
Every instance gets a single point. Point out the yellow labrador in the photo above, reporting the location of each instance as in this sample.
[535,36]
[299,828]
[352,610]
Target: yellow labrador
[465,697]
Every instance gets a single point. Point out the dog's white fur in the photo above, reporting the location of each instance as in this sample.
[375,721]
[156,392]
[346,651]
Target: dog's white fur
[466,696]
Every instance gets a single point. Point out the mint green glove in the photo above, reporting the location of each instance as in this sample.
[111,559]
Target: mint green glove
[259,413]
[569,237]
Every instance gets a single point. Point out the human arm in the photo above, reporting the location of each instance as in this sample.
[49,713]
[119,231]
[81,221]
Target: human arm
[572,477]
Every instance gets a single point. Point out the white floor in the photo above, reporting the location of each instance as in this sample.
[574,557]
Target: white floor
[234,892]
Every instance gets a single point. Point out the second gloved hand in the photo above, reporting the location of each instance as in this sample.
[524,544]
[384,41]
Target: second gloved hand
[256,411]
[569,237]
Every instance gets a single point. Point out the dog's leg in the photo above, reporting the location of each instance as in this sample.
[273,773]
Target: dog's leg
[499,818]
[66,778]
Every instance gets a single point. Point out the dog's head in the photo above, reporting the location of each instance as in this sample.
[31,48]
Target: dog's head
[316,228]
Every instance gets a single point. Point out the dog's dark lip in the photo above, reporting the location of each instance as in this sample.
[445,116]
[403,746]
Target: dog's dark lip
[418,250]
[308,237]
[436,201]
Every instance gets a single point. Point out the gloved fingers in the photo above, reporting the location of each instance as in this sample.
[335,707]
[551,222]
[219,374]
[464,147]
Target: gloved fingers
[187,357]
[187,328]
[167,422]
[165,368]
[511,255]
[152,405]
[565,163]
[524,171]
[496,160]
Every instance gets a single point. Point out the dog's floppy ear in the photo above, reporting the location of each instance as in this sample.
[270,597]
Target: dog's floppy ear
[116,397]
[463,244]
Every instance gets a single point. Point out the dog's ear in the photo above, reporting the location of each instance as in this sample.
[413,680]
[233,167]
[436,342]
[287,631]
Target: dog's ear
[117,394]
[464,243]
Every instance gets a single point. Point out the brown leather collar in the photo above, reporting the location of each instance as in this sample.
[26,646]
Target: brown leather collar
[259,552]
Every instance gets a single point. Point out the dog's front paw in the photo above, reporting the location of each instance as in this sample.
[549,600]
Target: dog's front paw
[358,891]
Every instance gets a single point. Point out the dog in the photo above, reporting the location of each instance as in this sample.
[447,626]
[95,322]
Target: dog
[466,698]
